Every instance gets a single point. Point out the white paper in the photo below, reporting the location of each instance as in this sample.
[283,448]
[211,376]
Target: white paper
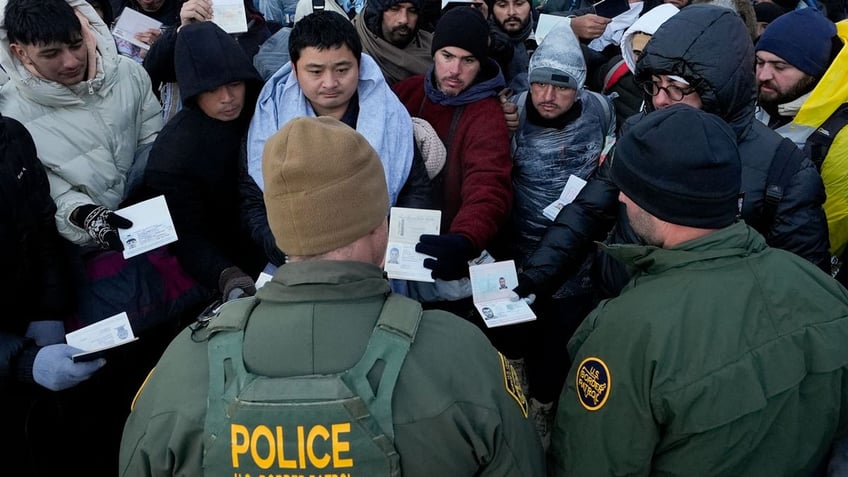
[230,15]
[104,334]
[405,227]
[152,226]
[547,23]
[569,192]
[263,279]
[131,22]
[491,289]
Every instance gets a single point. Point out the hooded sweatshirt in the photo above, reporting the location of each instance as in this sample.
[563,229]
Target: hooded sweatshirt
[195,160]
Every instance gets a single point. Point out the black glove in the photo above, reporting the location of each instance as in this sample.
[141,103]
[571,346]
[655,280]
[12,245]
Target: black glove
[526,290]
[234,283]
[525,287]
[102,224]
[451,251]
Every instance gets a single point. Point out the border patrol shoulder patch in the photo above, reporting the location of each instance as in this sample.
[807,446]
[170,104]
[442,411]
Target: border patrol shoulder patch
[593,382]
[513,385]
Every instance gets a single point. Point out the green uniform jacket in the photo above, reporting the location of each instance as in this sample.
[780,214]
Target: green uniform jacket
[452,413]
[721,357]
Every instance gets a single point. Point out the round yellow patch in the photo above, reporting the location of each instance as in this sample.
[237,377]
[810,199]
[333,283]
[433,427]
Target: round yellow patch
[593,383]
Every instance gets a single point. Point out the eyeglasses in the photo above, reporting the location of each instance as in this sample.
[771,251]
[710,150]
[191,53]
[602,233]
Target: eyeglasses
[674,93]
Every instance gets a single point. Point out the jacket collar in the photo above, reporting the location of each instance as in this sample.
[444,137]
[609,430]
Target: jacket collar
[734,241]
[305,281]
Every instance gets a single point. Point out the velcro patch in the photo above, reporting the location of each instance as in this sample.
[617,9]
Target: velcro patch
[513,385]
[593,383]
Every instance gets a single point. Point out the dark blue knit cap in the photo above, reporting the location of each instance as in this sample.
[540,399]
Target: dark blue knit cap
[802,38]
[681,165]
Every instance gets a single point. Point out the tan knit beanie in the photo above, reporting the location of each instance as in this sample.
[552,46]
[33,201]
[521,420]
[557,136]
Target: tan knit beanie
[324,186]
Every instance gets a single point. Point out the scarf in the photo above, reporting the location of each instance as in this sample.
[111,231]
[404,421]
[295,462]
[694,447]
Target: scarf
[383,121]
[396,63]
[488,87]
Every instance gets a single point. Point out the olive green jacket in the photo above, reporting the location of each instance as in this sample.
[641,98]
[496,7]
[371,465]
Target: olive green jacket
[721,357]
[453,414]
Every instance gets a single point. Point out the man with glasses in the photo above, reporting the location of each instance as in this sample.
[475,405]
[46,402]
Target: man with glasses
[702,57]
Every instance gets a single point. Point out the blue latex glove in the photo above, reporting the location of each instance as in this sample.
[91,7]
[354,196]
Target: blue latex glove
[46,332]
[451,254]
[54,368]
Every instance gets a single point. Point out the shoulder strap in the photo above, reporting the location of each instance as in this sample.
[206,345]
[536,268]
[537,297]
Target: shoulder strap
[224,382]
[390,341]
[779,175]
[818,143]
[389,344]
[522,117]
[618,70]
[609,114]
[317,5]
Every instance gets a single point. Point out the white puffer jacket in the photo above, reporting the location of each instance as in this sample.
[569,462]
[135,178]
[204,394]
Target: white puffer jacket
[86,135]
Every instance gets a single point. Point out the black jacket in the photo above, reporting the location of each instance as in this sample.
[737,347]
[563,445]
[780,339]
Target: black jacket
[194,161]
[33,257]
[711,48]
[159,61]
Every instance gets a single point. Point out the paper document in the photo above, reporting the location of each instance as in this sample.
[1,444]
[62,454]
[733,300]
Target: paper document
[405,227]
[546,23]
[569,192]
[263,279]
[491,289]
[230,15]
[152,226]
[131,22]
[100,336]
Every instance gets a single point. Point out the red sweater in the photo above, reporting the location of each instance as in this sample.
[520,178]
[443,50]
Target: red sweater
[477,174]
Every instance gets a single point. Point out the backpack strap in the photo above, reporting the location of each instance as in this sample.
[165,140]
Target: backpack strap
[609,113]
[389,344]
[618,70]
[779,175]
[317,5]
[818,143]
[224,352]
[522,117]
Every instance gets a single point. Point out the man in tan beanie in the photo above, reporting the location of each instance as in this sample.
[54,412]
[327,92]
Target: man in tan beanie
[325,371]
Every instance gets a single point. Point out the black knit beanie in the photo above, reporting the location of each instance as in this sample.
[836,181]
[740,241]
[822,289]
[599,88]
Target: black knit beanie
[681,165]
[462,27]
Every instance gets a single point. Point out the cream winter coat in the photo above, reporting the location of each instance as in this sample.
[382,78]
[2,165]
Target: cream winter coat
[87,135]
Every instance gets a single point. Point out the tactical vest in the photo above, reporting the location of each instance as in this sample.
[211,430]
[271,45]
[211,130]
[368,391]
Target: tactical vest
[315,425]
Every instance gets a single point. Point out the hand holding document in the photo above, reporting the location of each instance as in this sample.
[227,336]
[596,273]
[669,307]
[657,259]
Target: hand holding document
[230,15]
[569,192]
[491,288]
[98,337]
[152,226]
[132,23]
[546,23]
[405,227]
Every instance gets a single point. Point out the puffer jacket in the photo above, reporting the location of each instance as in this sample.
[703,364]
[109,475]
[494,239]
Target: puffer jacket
[710,47]
[87,135]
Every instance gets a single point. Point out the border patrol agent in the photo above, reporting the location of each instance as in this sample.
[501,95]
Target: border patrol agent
[722,356]
[325,372]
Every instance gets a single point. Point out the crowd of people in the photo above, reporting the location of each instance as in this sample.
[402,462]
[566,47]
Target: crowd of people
[690,300]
